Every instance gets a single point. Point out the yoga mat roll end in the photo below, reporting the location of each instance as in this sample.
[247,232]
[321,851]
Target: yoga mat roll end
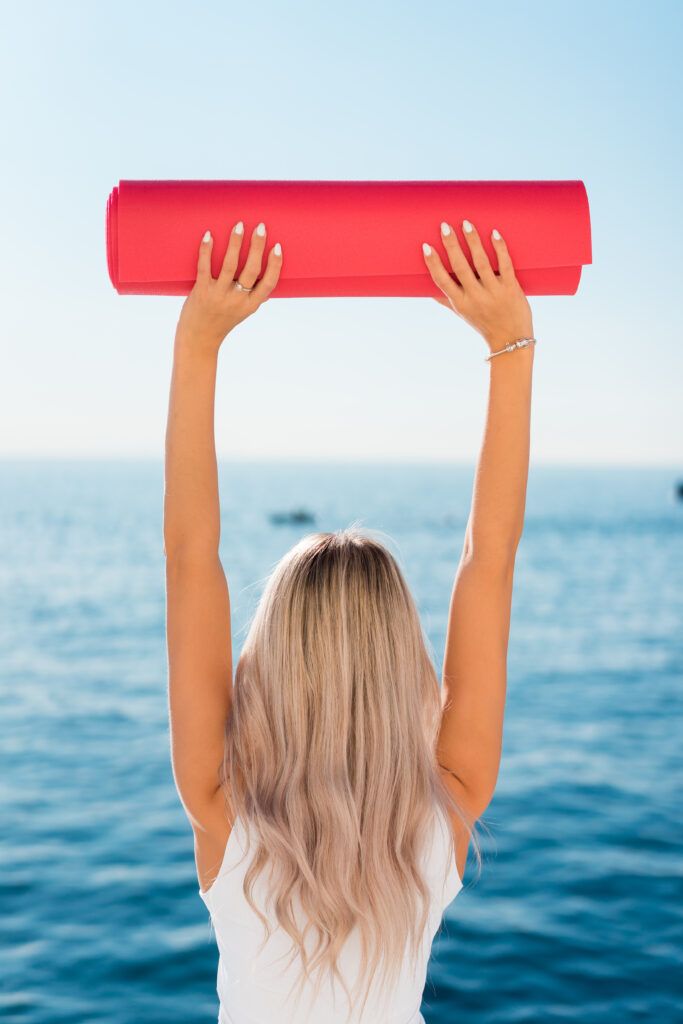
[111,236]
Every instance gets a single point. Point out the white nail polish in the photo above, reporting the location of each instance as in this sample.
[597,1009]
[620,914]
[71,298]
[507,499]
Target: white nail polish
[207,236]
[445,228]
[239,227]
[426,249]
[277,249]
[467,226]
[261,229]
[496,234]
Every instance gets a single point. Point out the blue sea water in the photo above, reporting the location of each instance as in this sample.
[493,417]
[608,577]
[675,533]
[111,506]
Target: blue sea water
[578,915]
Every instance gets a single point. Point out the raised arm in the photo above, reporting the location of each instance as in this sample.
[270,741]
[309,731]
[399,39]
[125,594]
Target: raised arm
[475,664]
[197,598]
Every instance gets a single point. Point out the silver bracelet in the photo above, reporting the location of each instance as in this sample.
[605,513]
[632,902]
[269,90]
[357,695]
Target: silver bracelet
[522,343]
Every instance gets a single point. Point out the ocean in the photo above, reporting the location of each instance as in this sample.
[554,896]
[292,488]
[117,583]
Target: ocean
[578,915]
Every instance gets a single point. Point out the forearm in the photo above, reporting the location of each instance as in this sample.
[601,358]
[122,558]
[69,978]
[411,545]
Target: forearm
[191,500]
[497,514]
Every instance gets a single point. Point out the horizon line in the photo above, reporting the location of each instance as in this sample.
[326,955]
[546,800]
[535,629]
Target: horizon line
[347,460]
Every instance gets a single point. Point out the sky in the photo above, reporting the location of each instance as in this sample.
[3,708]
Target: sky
[93,93]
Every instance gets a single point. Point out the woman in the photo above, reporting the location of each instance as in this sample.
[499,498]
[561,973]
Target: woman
[333,790]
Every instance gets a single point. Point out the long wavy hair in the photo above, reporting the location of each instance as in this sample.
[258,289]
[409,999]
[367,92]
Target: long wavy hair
[330,753]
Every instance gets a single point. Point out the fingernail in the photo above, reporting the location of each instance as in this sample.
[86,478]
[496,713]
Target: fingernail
[426,249]
[467,226]
[277,249]
[496,234]
[207,236]
[239,227]
[261,229]
[445,228]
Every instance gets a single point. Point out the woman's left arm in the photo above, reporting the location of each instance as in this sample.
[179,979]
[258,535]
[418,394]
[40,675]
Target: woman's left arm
[198,628]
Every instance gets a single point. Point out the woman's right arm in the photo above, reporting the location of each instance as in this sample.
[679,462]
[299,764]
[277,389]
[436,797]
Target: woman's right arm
[475,663]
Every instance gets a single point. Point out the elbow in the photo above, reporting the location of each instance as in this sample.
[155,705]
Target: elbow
[188,553]
[183,545]
[493,550]
[496,559]
[182,538]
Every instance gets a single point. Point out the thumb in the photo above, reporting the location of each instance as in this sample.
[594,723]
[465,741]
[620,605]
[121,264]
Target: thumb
[443,301]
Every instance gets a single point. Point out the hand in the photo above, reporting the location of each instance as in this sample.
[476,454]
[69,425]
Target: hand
[215,305]
[494,305]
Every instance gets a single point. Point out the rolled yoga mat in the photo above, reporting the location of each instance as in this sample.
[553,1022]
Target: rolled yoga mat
[345,238]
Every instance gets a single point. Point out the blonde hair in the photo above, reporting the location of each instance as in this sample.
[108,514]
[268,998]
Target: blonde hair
[330,751]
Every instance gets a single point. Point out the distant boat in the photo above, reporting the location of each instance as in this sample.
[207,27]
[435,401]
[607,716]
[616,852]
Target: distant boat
[679,490]
[292,517]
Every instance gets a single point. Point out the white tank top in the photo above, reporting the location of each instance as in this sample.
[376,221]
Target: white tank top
[252,987]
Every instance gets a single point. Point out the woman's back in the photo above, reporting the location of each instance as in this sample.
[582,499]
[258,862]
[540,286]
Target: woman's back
[253,987]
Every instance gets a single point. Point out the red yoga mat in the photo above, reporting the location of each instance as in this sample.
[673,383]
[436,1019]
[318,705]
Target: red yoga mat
[345,238]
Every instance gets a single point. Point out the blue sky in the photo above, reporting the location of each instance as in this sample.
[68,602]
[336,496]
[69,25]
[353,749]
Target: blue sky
[93,93]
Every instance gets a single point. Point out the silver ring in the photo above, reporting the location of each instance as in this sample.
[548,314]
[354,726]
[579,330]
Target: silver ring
[242,288]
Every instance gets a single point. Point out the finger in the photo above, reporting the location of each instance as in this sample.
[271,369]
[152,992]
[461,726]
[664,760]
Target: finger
[505,267]
[232,254]
[440,276]
[252,268]
[204,258]
[456,257]
[271,275]
[481,260]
